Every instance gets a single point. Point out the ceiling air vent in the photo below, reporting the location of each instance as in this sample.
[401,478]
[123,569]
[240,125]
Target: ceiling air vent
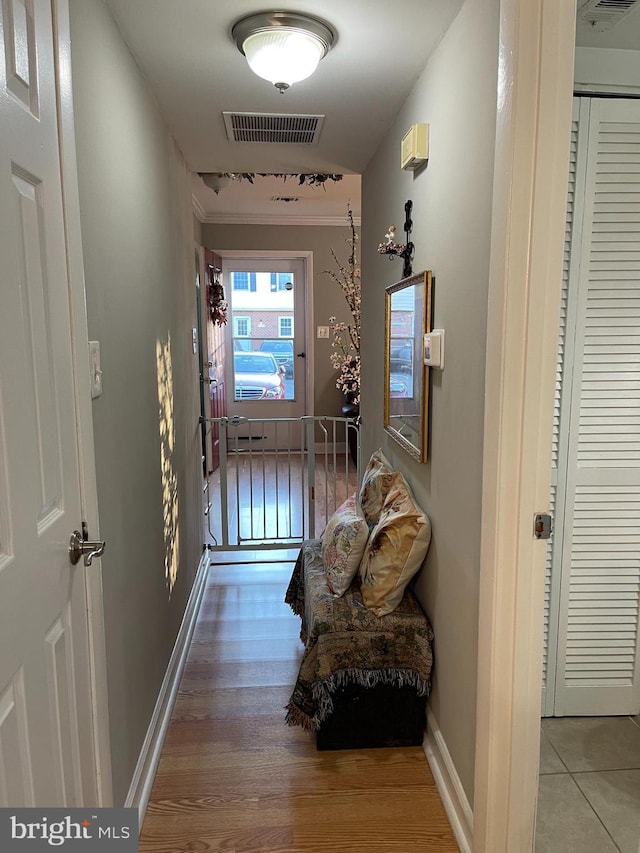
[605,14]
[273,128]
[285,198]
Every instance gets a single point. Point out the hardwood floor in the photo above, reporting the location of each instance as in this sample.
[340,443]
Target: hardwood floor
[234,777]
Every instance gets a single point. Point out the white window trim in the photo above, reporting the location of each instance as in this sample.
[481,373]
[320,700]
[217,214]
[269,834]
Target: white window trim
[290,320]
[236,333]
[246,289]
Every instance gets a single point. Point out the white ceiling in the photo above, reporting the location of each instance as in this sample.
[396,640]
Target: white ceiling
[185,51]
[625,35]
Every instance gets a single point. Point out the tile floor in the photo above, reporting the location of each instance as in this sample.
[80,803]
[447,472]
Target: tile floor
[589,794]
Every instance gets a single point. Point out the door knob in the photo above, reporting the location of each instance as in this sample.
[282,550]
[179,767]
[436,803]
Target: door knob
[79,547]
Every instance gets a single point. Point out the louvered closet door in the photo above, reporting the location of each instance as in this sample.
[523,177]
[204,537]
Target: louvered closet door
[552,580]
[597,655]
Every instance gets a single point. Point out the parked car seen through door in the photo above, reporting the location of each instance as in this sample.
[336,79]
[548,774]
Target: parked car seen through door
[282,349]
[258,376]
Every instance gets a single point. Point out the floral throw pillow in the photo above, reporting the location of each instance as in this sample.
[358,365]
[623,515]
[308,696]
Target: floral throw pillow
[343,543]
[376,482]
[395,550]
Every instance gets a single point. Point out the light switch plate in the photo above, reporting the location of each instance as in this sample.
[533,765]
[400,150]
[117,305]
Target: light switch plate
[434,348]
[95,370]
[323,331]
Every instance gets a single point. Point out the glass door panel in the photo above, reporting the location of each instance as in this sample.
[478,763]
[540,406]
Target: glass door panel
[266,331]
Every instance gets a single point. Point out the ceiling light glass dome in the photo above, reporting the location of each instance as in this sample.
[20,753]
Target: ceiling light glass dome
[283,47]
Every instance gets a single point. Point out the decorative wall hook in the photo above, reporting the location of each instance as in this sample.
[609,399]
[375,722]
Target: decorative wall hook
[400,250]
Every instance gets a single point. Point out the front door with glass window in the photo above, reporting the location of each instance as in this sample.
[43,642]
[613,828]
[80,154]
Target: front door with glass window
[266,353]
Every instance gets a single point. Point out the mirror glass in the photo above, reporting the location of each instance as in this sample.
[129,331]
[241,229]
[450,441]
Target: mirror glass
[407,317]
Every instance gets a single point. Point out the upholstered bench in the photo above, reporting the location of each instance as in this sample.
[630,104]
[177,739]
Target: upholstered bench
[364,679]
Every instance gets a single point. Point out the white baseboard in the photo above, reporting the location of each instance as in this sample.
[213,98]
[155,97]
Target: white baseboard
[449,786]
[140,788]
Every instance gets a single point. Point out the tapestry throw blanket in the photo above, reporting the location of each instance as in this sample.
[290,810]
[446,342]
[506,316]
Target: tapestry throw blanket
[345,643]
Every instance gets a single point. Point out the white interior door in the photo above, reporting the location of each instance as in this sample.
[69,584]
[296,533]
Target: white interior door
[596,564]
[46,743]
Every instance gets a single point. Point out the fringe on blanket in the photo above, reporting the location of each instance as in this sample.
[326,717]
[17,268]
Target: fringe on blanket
[298,609]
[296,606]
[295,717]
[323,690]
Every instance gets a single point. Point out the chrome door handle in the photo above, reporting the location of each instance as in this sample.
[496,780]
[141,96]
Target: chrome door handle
[79,547]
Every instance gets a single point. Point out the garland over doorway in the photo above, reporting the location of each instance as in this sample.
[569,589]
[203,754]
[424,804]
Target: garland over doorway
[217,181]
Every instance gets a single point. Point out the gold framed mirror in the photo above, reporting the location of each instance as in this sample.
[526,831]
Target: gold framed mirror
[406,390]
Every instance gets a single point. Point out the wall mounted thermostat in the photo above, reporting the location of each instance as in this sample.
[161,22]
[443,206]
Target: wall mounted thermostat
[415,147]
[434,348]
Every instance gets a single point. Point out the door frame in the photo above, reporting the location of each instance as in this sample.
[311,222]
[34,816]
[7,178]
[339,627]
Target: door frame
[535,88]
[83,405]
[307,261]
[201,319]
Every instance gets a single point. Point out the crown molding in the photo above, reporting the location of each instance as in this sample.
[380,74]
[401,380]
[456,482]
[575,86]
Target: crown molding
[198,209]
[265,218]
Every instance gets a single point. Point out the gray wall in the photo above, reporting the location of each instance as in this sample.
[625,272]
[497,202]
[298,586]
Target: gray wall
[607,69]
[138,234]
[456,95]
[328,299]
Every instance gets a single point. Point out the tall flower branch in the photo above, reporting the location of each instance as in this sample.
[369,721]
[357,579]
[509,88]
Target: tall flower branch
[345,355]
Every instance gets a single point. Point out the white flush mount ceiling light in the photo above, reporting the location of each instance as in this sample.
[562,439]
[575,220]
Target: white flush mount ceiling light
[283,47]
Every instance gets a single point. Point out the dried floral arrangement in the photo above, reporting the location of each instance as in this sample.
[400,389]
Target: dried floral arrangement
[218,305]
[345,355]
